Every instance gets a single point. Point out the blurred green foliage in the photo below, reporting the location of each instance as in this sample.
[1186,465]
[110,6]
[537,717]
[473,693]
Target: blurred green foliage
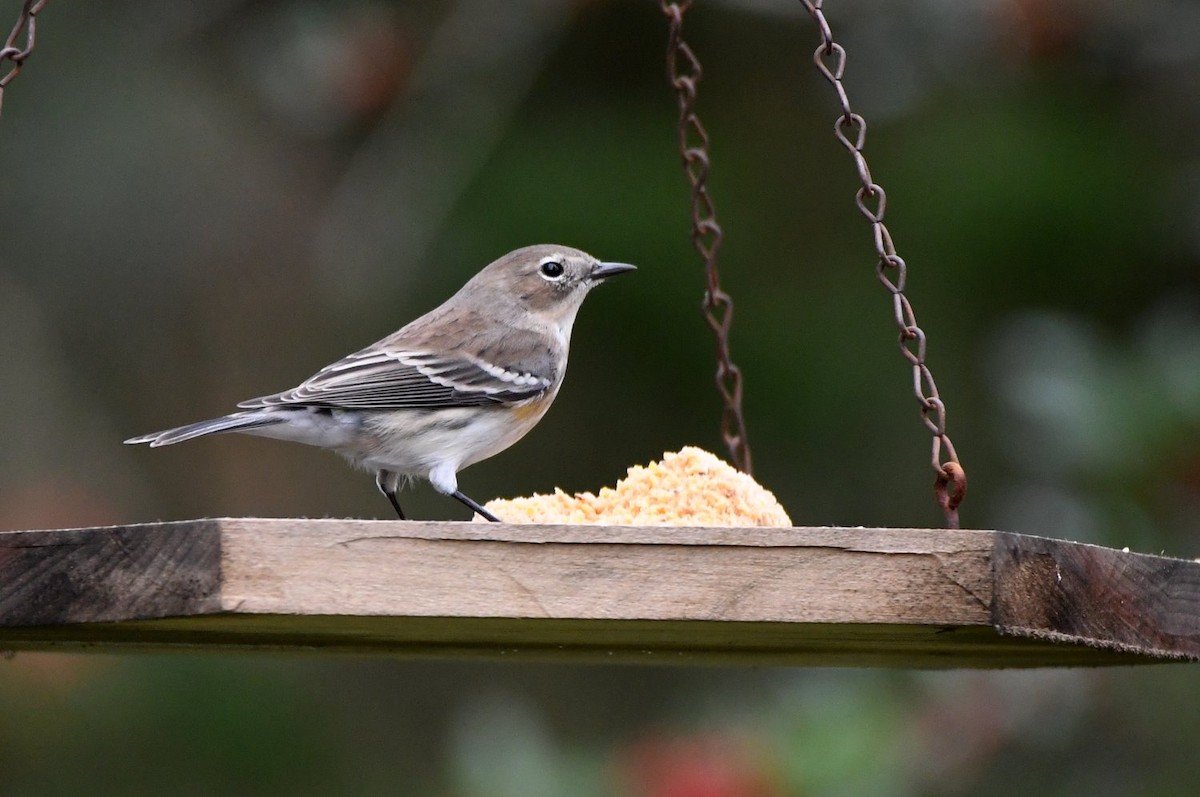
[206,202]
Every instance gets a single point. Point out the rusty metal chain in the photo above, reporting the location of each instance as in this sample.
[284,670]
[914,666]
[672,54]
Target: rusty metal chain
[851,130]
[16,55]
[684,72]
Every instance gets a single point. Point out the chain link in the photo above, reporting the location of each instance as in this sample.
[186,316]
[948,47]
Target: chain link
[684,72]
[16,55]
[851,131]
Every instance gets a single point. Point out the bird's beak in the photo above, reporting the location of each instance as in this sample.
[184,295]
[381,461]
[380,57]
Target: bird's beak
[603,271]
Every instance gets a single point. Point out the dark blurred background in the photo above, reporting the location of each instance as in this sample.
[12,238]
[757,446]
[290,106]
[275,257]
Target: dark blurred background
[204,202]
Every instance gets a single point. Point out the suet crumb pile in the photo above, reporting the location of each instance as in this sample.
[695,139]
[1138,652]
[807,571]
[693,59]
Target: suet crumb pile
[686,488]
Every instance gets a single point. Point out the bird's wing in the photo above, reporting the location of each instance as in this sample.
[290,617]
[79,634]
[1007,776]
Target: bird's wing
[389,380]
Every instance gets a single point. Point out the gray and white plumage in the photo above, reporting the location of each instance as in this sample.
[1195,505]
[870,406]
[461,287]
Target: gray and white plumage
[457,385]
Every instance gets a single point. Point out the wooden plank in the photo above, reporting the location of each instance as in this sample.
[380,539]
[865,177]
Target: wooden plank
[589,572]
[828,596]
[1089,595]
[117,573]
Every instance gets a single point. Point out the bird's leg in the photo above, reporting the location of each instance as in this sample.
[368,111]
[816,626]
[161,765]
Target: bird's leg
[444,479]
[396,505]
[388,482]
[466,499]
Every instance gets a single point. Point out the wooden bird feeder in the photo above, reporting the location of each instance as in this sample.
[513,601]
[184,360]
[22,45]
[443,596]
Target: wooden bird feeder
[801,596]
[747,596]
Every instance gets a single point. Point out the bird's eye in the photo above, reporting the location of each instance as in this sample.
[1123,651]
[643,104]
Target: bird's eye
[552,269]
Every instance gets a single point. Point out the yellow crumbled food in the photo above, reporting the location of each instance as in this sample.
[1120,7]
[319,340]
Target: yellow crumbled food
[690,487]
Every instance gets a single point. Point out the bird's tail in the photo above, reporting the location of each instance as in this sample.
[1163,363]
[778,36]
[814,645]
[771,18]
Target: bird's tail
[237,422]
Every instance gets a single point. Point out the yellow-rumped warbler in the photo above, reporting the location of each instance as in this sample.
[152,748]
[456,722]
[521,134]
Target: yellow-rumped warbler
[457,385]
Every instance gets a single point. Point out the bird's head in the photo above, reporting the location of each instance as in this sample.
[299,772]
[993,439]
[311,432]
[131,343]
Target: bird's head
[546,280]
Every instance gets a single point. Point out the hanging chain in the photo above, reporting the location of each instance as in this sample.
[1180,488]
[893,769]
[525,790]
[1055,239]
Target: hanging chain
[27,24]
[851,131]
[684,72]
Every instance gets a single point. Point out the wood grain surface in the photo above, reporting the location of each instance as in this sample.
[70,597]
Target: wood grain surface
[828,596]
